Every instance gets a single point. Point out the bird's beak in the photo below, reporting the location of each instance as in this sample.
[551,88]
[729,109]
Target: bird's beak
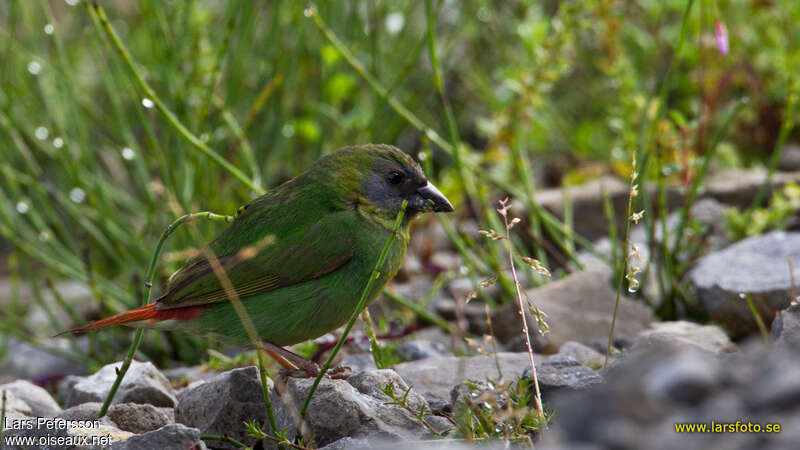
[433,200]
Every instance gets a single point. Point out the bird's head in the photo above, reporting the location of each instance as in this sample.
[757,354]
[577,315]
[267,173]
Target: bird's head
[378,178]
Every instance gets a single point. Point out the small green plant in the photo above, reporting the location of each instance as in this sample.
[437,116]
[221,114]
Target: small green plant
[402,401]
[499,411]
[782,205]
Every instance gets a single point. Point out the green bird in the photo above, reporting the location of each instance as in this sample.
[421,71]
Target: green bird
[299,256]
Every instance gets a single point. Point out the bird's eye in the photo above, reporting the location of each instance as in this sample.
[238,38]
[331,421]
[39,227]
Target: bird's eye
[394,177]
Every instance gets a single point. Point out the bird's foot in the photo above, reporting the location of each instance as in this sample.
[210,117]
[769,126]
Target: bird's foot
[311,370]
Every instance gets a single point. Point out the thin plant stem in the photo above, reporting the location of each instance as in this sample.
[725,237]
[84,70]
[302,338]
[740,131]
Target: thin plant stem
[756,316]
[503,210]
[359,307]
[374,345]
[265,390]
[98,11]
[148,286]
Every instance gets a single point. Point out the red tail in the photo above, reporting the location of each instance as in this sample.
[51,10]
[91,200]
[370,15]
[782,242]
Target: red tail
[144,313]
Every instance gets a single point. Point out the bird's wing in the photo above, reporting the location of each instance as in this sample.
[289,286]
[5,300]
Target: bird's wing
[263,251]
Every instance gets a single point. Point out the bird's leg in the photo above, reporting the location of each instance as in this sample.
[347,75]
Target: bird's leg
[296,366]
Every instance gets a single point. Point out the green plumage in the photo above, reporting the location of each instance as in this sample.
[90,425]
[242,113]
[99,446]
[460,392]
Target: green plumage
[300,256]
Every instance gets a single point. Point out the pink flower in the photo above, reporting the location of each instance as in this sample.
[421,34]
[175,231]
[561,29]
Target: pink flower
[721,36]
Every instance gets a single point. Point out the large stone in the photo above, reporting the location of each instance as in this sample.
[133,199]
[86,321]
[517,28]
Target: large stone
[738,187]
[579,308]
[30,362]
[435,378]
[707,337]
[223,404]
[170,437]
[91,432]
[786,327]
[40,402]
[757,267]
[138,418]
[359,408]
[143,383]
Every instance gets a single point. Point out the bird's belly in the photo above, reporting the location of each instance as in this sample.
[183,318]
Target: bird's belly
[290,314]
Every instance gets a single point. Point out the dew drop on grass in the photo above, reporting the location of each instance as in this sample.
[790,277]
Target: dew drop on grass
[394,22]
[77,195]
[742,295]
[44,236]
[34,68]
[22,207]
[147,103]
[49,28]
[287,131]
[307,12]
[58,142]
[128,154]
[71,2]
[41,133]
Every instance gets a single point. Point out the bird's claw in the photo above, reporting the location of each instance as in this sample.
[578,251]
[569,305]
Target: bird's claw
[336,373]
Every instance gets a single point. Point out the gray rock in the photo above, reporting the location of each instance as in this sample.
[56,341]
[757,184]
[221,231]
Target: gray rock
[790,158]
[435,378]
[737,187]
[562,373]
[359,362]
[138,418]
[590,293]
[221,406]
[181,377]
[357,408]
[142,384]
[17,406]
[581,353]
[94,433]
[778,386]
[755,266]
[689,379]
[786,327]
[707,337]
[170,437]
[26,361]
[421,349]
[40,402]
[348,443]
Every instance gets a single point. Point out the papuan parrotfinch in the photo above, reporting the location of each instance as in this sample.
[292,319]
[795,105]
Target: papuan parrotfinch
[300,255]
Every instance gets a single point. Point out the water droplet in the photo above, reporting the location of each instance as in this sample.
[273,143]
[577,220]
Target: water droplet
[287,131]
[147,103]
[77,195]
[742,295]
[463,270]
[128,154]
[44,236]
[423,156]
[394,22]
[49,28]
[205,137]
[58,142]
[308,12]
[633,287]
[41,133]
[498,430]
[22,207]
[34,68]
[71,2]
